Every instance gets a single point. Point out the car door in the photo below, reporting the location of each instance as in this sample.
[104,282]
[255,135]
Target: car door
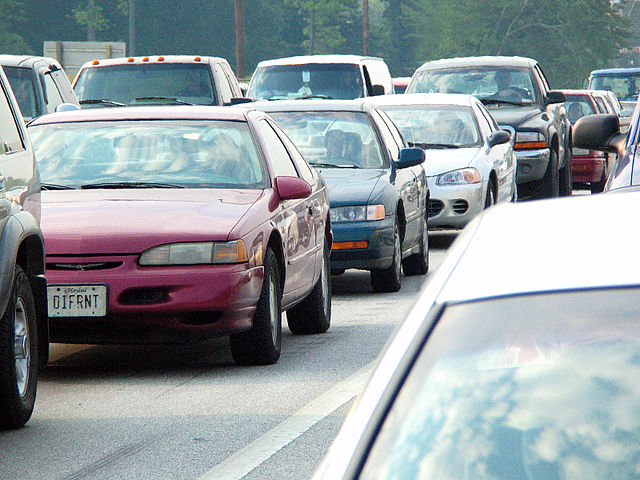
[293,219]
[500,157]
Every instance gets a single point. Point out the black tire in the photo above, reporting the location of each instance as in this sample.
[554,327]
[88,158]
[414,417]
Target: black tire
[418,263]
[313,314]
[598,187]
[566,183]
[549,185]
[262,344]
[388,280]
[490,197]
[18,369]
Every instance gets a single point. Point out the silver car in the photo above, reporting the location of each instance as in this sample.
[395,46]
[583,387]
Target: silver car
[470,162]
[512,366]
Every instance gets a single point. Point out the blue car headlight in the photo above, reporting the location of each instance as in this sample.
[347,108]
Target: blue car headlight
[357,213]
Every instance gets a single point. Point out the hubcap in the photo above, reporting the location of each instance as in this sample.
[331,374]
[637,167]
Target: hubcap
[273,311]
[397,255]
[21,347]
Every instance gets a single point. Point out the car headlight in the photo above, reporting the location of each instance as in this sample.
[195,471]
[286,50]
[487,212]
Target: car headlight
[463,176]
[529,140]
[357,213]
[195,253]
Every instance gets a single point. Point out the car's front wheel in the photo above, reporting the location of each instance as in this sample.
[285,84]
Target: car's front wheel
[18,354]
[388,280]
[549,185]
[262,343]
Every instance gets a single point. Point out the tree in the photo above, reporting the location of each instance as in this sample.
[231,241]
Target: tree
[91,16]
[11,42]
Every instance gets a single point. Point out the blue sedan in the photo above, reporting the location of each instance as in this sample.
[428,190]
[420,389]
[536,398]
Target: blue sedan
[377,187]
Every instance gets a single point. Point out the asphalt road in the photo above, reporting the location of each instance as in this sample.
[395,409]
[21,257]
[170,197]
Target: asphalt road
[187,412]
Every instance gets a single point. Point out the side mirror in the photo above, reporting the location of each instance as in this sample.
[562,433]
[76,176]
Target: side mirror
[67,107]
[377,90]
[554,96]
[291,188]
[598,132]
[410,157]
[499,137]
[239,100]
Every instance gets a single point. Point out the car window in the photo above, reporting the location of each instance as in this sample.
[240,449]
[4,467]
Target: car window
[495,395]
[23,84]
[233,81]
[487,116]
[624,85]
[429,126]
[602,107]
[578,106]
[193,154]
[397,136]
[10,138]
[301,164]
[388,139]
[224,90]
[280,160]
[339,139]
[53,95]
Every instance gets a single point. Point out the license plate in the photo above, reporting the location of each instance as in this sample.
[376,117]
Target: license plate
[77,300]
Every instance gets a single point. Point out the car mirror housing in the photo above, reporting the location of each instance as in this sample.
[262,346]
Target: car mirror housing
[291,188]
[598,132]
[499,137]
[410,157]
[377,90]
[240,100]
[554,96]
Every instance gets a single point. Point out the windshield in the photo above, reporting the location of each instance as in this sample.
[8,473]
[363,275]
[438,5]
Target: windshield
[339,139]
[511,85]
[625,86]
[578,106]
[187,153]
[521,388]
[435,125]
[330,80]
[180,82]
[23,84]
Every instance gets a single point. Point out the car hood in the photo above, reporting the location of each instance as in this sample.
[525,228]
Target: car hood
[441,161]
[513,116]
[90,222]
[351,186]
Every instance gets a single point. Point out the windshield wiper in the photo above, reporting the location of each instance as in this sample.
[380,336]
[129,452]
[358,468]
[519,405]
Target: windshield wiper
[433,145]
[53,186]
[498,101]
[101,101]
[307,97]
[131,185]
[332,165]
[157,97]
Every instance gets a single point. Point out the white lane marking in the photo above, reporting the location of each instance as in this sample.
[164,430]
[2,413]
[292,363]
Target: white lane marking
[262,448]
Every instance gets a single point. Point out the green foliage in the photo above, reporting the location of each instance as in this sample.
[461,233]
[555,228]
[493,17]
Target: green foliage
[90,15]
[10,20]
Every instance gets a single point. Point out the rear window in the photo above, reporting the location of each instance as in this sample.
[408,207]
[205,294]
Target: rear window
[133,84]
[625,86]
[23,84]
[578,106]
[328,80]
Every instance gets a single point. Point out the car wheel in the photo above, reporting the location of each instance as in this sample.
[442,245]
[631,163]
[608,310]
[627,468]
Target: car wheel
[549,185]
[18,355]
[490,198]
[313,314]
[388,280]
[597,187]
[262,343]
[418,263]
[566,185]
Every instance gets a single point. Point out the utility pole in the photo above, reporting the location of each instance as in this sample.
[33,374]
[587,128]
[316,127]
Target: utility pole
[365,27]
[132,28]
[240,39]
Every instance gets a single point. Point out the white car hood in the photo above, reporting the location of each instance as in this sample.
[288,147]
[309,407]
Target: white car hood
[441,161]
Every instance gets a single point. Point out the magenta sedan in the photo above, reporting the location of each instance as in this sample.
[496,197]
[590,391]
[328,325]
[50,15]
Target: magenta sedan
[181,223]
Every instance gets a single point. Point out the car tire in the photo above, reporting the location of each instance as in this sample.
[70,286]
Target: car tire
[490,197]
[313,314]
[598,187]
[418,263]
[566,184]
[261,344]
[549,185]
[18,354]
[388,280]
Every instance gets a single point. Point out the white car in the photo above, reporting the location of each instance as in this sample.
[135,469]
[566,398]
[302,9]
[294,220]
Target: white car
[520,359]
[469,159]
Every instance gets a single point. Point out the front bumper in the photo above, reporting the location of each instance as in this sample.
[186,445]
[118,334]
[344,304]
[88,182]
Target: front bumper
[158,304]
[452,207]
[532,164]
[377,255]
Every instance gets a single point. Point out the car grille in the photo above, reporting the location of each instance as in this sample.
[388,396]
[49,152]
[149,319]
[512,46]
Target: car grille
[83,266]
[460,206]
[143,296]
[434,207]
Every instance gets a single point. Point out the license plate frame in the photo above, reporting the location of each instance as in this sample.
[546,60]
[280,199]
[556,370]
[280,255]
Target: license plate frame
[72,299]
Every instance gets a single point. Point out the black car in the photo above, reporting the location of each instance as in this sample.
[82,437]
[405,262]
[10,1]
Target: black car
[24,330]
[377,186]
[516,92]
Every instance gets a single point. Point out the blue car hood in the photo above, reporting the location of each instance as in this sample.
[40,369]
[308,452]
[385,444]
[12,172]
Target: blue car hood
[351,186]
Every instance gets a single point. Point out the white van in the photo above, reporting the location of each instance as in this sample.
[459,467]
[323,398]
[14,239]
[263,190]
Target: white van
[320,76]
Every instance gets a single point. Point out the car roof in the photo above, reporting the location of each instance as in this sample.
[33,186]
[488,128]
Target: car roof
[164,112]
[422,99]
[499,61]
[25,60]
[303,59]
[614,71]
[152,59]
[549,245]
[310,105]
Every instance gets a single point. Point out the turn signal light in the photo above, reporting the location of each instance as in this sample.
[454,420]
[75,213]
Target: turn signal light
[161,59]
[197,59]
[130,59]
[95,62]
[350,245]
[529,145]
[145,59]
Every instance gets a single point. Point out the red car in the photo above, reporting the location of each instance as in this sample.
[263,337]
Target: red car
[180,223]
[589,168]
